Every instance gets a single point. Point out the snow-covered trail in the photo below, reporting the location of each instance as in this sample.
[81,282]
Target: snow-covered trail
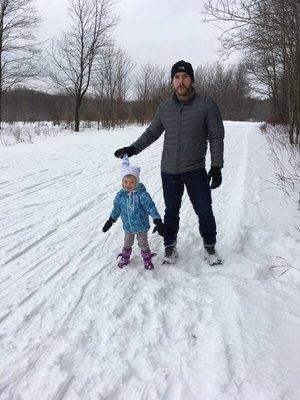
[73,326]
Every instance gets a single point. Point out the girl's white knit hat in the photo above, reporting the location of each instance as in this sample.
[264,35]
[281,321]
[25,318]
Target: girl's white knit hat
[128,169]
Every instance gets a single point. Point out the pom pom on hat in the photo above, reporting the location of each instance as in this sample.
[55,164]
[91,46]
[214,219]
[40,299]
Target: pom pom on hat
[127,169]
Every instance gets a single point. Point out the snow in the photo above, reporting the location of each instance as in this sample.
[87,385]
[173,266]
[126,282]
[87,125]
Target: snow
[74,326]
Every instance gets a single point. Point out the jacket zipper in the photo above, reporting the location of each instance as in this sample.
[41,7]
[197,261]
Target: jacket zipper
[128,213]
[179,141]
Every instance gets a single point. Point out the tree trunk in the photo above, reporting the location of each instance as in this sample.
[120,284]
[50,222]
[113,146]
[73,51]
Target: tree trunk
[76,117]
[1,97]
[297,69]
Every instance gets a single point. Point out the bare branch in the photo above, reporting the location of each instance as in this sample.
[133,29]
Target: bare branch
[75,54]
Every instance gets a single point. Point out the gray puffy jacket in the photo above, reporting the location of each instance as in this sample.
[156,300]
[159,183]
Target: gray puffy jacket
[188,127]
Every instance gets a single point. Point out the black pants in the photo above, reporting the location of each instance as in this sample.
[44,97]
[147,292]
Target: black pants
[198,189]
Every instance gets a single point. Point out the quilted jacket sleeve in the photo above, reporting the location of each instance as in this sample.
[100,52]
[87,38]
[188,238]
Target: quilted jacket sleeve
[216,133]
[152,133]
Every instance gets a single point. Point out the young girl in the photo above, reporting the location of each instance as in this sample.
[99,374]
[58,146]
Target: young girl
[134,204]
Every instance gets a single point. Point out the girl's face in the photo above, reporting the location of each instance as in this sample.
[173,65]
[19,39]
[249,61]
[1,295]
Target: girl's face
[129,183]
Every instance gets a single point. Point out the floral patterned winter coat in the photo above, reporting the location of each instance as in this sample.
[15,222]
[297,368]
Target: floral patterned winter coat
[134,209]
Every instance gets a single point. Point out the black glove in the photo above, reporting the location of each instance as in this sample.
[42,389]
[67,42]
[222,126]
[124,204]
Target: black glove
[159,227]
[215,175]
[130,151]
[108,224]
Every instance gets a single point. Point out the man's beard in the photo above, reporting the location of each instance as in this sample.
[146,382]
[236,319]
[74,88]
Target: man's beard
[183,91]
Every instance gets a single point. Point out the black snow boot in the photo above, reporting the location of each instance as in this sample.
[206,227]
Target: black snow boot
[171,255]
[211,256]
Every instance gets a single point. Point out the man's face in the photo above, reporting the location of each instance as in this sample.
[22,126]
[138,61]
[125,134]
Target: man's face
[182,84]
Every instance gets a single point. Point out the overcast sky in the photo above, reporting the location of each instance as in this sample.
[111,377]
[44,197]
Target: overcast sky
[159,31]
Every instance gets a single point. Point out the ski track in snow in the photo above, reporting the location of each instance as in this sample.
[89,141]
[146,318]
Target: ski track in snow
[73,326]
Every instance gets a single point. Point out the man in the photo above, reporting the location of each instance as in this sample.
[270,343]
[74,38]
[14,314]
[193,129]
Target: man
[190,121]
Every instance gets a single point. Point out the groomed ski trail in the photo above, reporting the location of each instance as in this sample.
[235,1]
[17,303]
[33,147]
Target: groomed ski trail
[73,326]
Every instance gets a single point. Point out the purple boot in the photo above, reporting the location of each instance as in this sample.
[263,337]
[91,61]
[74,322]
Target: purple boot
[147,255]
[125,257]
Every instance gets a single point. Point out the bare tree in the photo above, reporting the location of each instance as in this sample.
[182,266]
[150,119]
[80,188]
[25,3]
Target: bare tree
[151,87]
[268,31]
[111,84]
[74,55]
[228,86]
[19,53]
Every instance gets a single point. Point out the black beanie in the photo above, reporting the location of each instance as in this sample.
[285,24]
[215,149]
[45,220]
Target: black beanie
[182,66]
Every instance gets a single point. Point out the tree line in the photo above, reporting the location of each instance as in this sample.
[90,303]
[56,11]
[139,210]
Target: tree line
[228,86]
[92,78]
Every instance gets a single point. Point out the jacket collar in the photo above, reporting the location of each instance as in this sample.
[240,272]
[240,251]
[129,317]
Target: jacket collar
[140,187]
